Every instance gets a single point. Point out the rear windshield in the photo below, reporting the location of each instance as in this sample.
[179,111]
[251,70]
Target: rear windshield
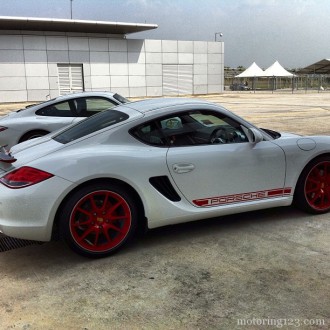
[90,125]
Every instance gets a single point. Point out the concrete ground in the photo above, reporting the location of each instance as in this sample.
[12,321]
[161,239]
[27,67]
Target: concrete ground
[260,270]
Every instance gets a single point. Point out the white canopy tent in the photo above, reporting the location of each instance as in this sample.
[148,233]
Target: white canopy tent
[276,70]
[252,71]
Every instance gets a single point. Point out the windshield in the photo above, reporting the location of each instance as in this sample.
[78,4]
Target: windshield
[90,125]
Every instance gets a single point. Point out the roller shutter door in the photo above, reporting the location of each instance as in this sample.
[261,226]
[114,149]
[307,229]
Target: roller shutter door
[70,78]
[177,79]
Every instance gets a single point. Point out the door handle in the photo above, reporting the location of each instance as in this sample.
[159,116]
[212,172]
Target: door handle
[183,168]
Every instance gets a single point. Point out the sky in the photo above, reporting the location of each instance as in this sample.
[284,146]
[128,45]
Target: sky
[294,32]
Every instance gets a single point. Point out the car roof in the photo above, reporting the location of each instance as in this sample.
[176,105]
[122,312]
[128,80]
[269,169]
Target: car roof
[148,105]
[82,94]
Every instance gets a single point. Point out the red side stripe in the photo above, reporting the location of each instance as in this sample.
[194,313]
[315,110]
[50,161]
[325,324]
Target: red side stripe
[243,197]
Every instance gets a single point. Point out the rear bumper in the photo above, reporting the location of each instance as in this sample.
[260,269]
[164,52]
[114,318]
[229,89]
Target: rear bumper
[29,213]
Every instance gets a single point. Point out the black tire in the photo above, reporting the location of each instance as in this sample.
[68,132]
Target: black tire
[312,192]
[97,220]
[32,135]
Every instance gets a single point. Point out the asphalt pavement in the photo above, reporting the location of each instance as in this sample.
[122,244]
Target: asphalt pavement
[260,270]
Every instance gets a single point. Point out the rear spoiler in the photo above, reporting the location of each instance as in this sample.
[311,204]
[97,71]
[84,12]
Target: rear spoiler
[5,156]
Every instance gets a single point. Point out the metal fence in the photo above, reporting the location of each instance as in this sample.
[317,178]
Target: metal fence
[299,83]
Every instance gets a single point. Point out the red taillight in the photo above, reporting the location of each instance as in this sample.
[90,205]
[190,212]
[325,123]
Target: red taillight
[3,128]
[24,177]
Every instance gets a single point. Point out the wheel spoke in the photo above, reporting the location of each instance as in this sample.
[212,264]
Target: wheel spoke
[93,205]
[312,190]
[315,198]
[82,223]
[312,180]
[106,198]
[85,234]
[97,234]
[113,208]
[106,234]
[119,217]
[79,209]
[117,229]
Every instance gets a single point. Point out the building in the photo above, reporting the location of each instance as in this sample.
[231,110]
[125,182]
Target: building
[44,58]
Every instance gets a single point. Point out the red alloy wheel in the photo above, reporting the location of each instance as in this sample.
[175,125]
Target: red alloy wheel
[100,221]
[317,186]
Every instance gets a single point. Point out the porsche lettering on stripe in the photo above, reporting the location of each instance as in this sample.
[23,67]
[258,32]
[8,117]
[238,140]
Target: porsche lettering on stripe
[243,197]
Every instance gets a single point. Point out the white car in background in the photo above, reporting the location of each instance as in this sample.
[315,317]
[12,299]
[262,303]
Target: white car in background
[40,119]
[154,163]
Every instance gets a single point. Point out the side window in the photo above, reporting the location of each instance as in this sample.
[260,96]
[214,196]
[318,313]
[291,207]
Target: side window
[63,109]
[216,129]
[191,128]
[150,133]
[87,107]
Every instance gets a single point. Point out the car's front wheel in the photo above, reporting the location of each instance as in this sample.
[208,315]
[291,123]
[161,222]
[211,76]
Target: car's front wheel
[313,187]
[98,219]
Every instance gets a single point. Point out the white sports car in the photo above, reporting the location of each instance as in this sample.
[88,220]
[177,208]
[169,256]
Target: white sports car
[153,163]
[40,119]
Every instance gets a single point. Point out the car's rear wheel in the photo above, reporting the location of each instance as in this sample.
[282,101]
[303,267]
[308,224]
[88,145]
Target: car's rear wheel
[99,219]
[313,188]
[32,135]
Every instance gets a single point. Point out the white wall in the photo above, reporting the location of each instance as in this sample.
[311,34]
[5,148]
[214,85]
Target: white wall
[131,67]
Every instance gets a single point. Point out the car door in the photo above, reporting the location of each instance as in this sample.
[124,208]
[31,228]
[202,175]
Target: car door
[227,170]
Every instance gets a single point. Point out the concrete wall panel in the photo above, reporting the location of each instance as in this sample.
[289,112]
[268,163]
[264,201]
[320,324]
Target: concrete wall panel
[12,84]
[13,96]
[37,83]
[58,56]
[36,69]
[11,42]
[100,69]
[185,46]
[34,42]
[154,69]
[57,43]
[37,95]
[169,46]
[11,56]
[12,70]
[102,82]
[80,44]
[32,56]
[119,81]
[153,46]
[119,69]
[99,45]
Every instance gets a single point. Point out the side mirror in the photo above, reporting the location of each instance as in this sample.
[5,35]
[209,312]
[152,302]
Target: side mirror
[254,135]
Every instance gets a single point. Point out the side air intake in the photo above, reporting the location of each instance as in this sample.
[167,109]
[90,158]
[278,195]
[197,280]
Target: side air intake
[164,186]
